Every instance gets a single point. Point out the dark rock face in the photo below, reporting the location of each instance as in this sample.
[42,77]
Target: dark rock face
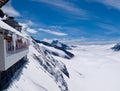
[53,67]
[116,47]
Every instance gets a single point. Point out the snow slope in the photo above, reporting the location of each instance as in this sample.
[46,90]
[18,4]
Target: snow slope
[59,48]
[93,68]
[55,51]
[32,78]
[41,73]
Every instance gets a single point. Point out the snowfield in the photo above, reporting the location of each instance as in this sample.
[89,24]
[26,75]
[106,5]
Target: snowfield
[33,78]
[94,68]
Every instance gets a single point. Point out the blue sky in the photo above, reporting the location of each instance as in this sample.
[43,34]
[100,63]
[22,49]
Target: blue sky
[76,19]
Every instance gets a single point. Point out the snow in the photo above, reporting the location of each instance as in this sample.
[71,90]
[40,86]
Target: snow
[41,73]
[94,68]
[52,49]
[33,78]
[7,27]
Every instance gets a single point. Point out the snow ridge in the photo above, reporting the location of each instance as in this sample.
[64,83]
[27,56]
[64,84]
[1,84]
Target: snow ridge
[58,46]
[54,68]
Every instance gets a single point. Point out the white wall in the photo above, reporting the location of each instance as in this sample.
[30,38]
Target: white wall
[12,59]
[2,53]
[5,60]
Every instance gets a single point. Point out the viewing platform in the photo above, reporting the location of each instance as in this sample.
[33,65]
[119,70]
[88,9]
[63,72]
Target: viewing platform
[13,46]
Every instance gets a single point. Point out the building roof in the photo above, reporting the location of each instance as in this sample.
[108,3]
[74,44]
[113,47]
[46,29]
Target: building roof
[7,27]
[3,2]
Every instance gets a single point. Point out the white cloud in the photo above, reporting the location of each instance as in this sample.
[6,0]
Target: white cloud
[26,27]
[70,7]
[112,3]
[30,30]
[27,24]
[111,29]
[9,9]
[53,32]
[30,23]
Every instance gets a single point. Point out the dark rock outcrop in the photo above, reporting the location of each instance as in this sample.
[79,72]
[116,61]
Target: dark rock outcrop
[53,67]
[116,47]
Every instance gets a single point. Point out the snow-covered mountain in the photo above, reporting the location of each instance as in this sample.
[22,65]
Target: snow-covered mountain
[93,68]
[57,48]
[116,47]
[41,73]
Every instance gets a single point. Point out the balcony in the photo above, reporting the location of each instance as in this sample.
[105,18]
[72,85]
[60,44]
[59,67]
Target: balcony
[15,57]
[12,50]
